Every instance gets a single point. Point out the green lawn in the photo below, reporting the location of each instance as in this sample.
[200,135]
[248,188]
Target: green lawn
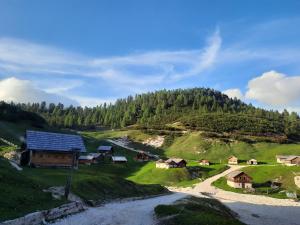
[196,211]
[261,175]
[175,176]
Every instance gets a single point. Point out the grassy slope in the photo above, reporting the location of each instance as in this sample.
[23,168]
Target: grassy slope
[174,177]
[99,182]
[263,174]
[194,146]
[195,211]
[19,194]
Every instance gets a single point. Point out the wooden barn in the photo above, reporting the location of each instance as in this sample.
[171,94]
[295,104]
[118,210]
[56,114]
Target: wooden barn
[47,149]
[204,162]
[232,160]
[105,149]
[289,160]
[119,159]
[239,179]
[86,159]
[142,156]
[171,163]
[252,162]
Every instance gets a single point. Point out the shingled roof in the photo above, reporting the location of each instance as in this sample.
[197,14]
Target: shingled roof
[47,141]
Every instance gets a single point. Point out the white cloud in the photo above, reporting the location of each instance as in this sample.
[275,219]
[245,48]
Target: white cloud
[23,91]
[135,71]
[234,93]
[275,89]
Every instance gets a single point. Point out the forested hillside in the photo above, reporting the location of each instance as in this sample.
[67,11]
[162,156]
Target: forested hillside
[197,108]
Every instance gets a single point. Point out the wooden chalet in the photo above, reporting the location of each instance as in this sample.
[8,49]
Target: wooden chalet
[252,162]
[47,149]
[289,160]
[239,179]
[171,163]
[232,160]
[105,149]
[204,162]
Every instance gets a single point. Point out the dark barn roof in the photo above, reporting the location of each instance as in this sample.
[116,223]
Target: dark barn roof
[47,141]
[104,148]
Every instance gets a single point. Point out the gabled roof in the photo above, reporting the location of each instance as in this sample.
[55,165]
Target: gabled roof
[291,157]
[252,160]
[48,141]
[86,157]
[104,148]
[230,157]
[119,158]
[236,173]
[176,160]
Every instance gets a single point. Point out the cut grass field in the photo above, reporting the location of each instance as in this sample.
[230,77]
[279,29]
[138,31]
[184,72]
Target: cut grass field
[262,175]
[195,211]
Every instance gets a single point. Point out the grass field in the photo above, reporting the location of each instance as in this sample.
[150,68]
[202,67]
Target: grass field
[100,182]
[262,175]
[176,176]
[195,211]
[19,194]
[195,146]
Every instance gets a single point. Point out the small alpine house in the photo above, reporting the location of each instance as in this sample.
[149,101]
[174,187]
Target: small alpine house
[48,149]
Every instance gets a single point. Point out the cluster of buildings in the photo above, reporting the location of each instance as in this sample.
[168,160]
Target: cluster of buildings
[47,149]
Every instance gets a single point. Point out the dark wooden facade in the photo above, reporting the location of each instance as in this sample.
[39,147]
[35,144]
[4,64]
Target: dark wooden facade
[50,158]
[241,178]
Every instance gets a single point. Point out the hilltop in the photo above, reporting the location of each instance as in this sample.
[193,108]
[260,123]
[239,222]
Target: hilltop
[198,109]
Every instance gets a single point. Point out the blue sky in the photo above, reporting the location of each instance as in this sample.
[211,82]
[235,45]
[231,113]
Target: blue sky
[88,52]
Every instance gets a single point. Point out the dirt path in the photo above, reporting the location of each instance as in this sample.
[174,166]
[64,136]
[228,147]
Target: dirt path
[252,209]
[138,212]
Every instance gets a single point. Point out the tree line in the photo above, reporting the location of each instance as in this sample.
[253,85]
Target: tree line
[201,108]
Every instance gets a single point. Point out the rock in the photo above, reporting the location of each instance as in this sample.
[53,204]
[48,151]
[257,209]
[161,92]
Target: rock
[40,217]
[35,218]
[297,181]
[67,209]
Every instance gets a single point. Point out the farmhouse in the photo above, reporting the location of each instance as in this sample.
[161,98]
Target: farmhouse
[239,179]
[252,162]
[289,160]
[204,162]
[119,159]
[105,149]
[233,160]
[171,163]
[48,149]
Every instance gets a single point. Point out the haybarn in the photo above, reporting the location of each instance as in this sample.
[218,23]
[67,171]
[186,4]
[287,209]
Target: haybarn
[47,149]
